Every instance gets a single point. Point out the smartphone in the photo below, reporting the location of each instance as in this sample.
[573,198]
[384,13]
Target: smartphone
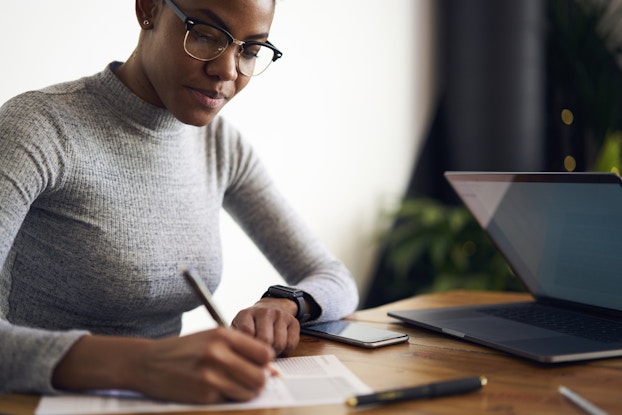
[355,334]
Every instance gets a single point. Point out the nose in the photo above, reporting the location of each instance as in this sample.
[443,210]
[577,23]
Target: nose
[224,66]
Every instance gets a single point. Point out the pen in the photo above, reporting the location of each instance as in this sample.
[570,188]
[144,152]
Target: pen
[581,402]
[431,390]
[201,290]
[204,294]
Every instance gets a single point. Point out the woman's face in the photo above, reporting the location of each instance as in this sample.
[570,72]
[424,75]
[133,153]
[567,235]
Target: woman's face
[164,75]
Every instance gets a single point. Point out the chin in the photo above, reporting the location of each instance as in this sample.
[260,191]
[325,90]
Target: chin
[198,120]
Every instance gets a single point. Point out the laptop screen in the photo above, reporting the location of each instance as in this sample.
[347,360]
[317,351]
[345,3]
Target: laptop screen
[560,232]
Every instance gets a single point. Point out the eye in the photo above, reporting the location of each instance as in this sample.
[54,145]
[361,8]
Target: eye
[252,51]
[209,37]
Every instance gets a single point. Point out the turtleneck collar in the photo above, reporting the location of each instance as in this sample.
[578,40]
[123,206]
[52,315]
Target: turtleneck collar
[141,114]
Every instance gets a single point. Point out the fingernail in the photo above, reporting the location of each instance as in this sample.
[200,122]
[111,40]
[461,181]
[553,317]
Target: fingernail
[274,371]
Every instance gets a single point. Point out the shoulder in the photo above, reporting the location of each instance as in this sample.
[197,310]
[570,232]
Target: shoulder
[65,88]
[225,138]
[33,129]
[35,120]
[39,108]
[234,156]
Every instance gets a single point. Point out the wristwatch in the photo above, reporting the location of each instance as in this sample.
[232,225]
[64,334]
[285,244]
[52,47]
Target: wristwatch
[297,296]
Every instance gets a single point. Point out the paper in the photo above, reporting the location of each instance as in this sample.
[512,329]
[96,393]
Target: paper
[305,381]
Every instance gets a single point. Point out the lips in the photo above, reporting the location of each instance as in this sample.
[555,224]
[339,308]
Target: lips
[209,99]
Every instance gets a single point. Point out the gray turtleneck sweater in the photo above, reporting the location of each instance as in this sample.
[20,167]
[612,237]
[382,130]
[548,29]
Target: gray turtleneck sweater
[103,198]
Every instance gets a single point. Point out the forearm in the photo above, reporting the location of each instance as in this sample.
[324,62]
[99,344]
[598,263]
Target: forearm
[186,369]
[101,362]
[293,249]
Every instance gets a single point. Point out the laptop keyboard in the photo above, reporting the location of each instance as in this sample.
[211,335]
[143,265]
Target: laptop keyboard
[562,321]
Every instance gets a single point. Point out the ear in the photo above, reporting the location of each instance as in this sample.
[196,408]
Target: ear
[146,12]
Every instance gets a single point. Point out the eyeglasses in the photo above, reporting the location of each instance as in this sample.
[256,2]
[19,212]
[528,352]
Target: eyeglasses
[205,42]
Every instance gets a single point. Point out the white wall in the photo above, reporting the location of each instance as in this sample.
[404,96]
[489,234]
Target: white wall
[337,120]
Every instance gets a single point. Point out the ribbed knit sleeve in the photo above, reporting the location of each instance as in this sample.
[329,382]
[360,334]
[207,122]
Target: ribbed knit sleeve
[28,168]
[286,241]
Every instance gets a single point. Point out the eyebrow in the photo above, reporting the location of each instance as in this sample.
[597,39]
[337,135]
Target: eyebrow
[218,21]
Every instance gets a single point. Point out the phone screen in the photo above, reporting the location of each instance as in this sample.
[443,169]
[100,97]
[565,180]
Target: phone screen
[354,333]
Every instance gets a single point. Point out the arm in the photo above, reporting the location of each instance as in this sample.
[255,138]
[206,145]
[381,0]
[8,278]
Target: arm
[30,162]
[233,367]
[254,202]
[330,290]
[296,253]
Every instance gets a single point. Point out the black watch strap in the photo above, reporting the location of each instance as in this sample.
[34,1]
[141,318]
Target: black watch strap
[296,295]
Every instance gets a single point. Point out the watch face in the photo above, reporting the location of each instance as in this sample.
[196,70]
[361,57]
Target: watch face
[282,291]
[297,293]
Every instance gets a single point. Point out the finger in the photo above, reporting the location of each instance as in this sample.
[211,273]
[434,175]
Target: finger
[292,338]
[254,350]
[265,320]
[244,322]
[205,367]
[285,333]
[286,337]
[271,325]
[233,372]
[238,384]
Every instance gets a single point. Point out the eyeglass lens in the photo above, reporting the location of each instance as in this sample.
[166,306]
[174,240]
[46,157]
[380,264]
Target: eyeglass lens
[206,43]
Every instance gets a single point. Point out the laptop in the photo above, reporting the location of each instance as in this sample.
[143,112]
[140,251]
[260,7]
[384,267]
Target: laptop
[561,234]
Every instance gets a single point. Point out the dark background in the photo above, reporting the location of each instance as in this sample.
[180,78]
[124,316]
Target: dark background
[506,69]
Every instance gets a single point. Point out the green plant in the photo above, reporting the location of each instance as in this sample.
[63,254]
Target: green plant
[609,158]
[436,247]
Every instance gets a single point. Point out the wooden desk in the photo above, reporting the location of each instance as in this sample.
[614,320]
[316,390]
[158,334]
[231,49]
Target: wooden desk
[516,386]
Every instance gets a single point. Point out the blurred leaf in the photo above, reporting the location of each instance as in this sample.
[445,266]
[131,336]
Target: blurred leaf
[609,157]
[430,237]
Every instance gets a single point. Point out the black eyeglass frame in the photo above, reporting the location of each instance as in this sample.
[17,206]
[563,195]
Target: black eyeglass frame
[190,22]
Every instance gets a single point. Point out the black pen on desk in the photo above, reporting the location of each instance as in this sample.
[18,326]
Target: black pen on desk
[431,390]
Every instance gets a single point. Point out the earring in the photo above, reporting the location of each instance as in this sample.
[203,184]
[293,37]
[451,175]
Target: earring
[146,22]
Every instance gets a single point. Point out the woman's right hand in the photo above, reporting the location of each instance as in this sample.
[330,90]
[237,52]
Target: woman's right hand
[207,367]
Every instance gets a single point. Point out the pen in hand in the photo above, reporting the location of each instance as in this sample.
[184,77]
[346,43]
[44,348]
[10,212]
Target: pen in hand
[431,390]
[201,290]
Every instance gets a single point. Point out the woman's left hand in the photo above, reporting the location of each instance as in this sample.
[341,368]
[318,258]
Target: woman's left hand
[273,321]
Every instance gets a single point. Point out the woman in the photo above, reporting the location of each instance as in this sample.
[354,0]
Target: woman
[109,184]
